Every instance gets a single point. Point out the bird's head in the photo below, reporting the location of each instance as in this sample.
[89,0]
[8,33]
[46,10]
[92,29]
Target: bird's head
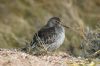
[54,21]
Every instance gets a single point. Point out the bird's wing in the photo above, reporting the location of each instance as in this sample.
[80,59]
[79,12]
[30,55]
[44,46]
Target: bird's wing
[46,35]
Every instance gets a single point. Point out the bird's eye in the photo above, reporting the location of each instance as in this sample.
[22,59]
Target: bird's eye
[57,21]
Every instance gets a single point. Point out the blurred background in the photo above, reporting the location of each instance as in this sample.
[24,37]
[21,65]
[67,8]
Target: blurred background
[20,19]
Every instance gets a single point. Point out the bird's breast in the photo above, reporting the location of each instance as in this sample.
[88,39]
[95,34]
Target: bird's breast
[60,35]
[59,39]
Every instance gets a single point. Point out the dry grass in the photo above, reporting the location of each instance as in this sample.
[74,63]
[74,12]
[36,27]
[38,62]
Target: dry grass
[19,19]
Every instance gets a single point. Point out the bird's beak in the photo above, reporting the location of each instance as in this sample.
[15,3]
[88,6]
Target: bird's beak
[65,26]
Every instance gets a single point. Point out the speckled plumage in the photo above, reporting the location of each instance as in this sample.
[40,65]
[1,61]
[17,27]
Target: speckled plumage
[50,37]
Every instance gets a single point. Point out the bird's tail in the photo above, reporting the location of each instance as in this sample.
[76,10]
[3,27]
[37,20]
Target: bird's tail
[29,48]
[26,48]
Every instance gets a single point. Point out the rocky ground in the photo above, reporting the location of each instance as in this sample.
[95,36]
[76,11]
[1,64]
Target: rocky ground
[17,58]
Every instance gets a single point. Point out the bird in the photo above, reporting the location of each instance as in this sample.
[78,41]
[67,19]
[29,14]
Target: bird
[49,38]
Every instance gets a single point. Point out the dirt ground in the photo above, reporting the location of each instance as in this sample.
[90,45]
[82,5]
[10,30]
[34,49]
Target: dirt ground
[17,58]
